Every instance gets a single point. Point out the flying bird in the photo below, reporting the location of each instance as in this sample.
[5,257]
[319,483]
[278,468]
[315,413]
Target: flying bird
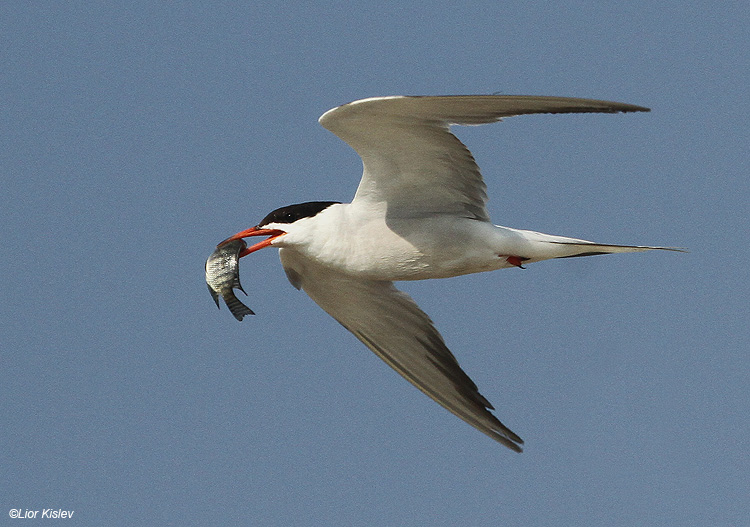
[419,212]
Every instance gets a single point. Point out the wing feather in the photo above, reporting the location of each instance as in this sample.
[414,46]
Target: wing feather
[411,160]
[391,324]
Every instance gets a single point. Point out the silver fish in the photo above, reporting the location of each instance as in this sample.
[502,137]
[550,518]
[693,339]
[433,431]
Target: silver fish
[223,276]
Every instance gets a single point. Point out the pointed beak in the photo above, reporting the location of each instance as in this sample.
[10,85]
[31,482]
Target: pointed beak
[254,231]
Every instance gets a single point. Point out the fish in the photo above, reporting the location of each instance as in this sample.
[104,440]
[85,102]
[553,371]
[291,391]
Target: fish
[223,277]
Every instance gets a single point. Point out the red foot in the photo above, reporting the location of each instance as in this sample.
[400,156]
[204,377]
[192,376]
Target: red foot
[516,260]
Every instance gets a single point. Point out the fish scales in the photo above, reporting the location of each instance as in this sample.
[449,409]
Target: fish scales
[223,277]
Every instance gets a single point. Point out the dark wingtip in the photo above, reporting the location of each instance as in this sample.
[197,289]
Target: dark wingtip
[514,447]
[506,437]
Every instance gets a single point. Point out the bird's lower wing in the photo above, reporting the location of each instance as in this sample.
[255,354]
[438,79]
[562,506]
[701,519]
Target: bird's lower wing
[391,324]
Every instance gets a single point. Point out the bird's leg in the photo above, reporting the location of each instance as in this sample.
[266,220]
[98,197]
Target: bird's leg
[515,260]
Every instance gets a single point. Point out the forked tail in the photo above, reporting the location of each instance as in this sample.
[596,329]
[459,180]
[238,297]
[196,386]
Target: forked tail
[582,248]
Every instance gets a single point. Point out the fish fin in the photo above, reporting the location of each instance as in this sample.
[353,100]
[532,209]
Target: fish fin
[238,285]
[214,295]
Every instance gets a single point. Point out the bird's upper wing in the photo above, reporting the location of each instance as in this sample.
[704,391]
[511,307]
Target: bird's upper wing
[391,324]
[411,160]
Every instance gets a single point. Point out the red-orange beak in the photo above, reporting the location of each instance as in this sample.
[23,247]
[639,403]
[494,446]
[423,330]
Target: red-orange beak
[254,231]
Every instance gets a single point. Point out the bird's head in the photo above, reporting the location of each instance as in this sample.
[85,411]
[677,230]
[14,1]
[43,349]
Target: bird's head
[278,223]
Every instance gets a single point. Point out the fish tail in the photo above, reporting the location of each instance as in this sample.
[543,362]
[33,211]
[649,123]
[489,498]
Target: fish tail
[238,309]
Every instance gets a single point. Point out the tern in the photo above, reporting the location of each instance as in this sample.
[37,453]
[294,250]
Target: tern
[419,212]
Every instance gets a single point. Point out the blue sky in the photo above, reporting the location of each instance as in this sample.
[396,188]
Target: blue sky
[136,137]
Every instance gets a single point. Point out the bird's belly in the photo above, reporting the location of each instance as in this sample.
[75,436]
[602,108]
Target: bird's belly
[376,259]
[416,253]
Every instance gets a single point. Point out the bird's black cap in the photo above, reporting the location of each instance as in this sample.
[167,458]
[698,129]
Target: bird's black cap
[292,213]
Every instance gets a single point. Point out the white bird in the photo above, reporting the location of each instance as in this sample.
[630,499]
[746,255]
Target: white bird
[419,212]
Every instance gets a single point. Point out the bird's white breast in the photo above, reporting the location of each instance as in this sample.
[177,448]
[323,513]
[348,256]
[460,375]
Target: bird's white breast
[367,243]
